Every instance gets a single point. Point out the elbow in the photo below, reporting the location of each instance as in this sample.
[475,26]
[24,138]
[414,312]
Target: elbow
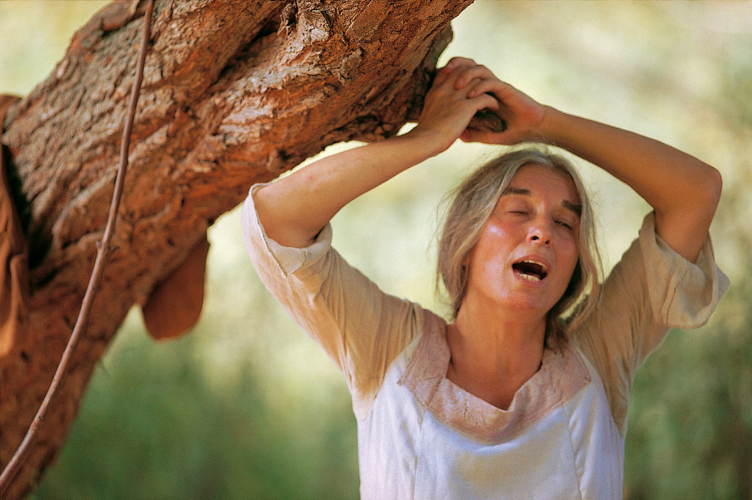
[267,213]
[275,219]
[712,188]
[704,197]
[697,196]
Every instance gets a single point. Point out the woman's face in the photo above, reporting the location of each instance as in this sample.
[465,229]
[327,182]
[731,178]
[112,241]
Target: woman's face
[529,247]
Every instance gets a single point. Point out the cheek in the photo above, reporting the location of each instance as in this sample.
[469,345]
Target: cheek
[492,246]
[496,236]
[570,257]
[488,257]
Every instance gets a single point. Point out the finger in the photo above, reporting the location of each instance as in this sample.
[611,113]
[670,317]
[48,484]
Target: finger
[458,61]
[450,82]
[470,73]
[484,101]
[442,74]
[440,77]
[485,86]
[446,79]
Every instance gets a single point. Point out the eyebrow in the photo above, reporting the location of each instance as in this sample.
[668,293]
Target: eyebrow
[573,207]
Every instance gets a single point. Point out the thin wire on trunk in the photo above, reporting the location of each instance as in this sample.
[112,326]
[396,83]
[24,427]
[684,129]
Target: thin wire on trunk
[103,251]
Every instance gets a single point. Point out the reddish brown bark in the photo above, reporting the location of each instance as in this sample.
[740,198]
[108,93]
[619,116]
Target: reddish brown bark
[235,92]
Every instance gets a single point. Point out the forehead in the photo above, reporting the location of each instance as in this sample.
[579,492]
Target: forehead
[539,180]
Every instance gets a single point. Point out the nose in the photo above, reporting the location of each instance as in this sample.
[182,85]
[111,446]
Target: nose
[540,232]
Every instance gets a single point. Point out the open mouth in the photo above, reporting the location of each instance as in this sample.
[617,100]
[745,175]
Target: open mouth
[530,270]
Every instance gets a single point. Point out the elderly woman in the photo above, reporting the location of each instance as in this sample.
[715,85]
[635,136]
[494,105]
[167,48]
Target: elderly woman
[524,392]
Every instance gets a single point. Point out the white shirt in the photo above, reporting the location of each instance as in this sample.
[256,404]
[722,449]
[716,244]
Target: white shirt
[426,438]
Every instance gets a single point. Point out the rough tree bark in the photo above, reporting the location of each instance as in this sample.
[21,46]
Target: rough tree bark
[235,92]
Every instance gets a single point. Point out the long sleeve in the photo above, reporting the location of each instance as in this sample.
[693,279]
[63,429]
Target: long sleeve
[651,290]
[361,328]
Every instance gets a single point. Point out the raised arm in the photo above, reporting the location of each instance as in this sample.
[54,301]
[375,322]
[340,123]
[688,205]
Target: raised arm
[294,209]
[683,191]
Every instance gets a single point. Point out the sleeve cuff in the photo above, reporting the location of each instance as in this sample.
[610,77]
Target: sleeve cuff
[682,294]
[288,259]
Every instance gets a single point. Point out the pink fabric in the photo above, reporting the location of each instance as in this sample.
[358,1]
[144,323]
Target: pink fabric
[546,390]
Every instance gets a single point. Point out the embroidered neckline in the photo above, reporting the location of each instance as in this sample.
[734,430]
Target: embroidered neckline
[562,375]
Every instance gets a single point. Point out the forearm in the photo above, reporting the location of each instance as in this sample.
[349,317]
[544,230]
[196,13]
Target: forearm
[683,190]
[293,210]
[646,165]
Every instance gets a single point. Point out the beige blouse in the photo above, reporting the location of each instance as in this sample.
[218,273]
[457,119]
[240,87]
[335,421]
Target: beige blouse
[421,436]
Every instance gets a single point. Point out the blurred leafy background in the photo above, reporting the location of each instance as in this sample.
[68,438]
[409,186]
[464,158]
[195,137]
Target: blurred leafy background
[246,406]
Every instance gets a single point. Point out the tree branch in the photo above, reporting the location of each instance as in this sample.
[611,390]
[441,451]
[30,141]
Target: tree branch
[103,253]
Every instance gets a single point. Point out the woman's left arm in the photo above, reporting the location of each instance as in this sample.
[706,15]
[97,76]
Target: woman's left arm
[683,191]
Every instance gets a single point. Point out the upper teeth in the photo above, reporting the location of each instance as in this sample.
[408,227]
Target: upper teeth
[542,265]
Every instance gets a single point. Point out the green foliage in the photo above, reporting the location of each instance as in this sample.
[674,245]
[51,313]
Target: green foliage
[153,426]
[690,428]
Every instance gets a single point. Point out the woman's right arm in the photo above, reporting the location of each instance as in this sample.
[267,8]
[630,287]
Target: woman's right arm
[293,210]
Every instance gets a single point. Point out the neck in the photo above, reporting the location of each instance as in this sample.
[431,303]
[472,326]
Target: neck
[494,353]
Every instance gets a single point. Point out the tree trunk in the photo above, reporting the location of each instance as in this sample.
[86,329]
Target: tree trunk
[235,92]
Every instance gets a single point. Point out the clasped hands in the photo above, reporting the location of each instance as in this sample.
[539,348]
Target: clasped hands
[463,91]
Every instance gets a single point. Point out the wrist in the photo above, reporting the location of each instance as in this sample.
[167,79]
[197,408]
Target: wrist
[549,125]
[427,142]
